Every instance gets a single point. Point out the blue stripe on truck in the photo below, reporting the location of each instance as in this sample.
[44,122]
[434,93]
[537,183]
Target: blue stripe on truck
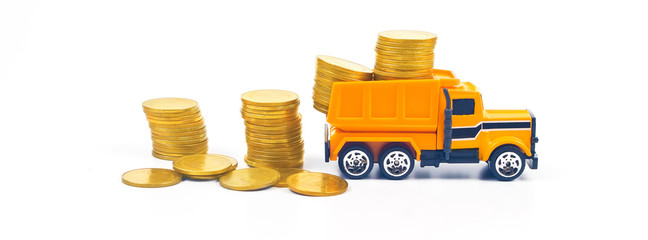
[472,132]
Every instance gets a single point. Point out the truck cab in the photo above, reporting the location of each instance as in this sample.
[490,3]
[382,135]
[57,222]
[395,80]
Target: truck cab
[433,121]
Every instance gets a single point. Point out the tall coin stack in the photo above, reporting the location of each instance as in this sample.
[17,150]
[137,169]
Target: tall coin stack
[404,54]
[177,127]
[272,129]
[330,70]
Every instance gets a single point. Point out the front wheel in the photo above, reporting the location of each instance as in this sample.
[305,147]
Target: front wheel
[396,163]
[356,161]
[506,163]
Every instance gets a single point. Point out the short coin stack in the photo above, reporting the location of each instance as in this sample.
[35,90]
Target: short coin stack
[272,129]
[177,127]
[204,166]
[404,54]
[330,70]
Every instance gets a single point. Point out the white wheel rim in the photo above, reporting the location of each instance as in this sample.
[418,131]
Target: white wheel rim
[508,164]
[397,163]
[356,162]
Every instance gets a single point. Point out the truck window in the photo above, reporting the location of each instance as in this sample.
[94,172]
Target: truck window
[465,106]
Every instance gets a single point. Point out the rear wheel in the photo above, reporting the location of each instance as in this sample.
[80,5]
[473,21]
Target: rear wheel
[506,163]
[356,161]
[396,163]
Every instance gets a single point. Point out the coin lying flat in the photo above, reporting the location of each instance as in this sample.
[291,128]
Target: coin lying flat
[203,164]
[285,173]
[249,179]
[151,177]
[317,184]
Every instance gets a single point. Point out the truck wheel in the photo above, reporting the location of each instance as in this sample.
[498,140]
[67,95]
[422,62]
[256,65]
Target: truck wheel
[396,163]
[506,163]
[356,161]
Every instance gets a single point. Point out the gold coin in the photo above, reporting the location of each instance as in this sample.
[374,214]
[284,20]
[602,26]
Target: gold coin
[398,69]
[317,184]
[249,179]
[177,142]
[165,157]
[272,150]
[286,117]
[275,158]
[261,128]
[177,130]
[174,122]
[389,54]
[403,57]
[275,145]
[169,104]
[180,117]
[203,164]
[269,97]
[272,136]
[274,165]
[322,109]
[292,106]
[403,47]
[274,122]
[151,177]
[198,124]
[343,64]
[179,148]
[403,74]
[407,36]
[294,139]
[170,155]
[196,177]
[187,114]
[180,145]
[284,112]
[285,173]
[336,74]
[282,153]
[179,138]
[198,132]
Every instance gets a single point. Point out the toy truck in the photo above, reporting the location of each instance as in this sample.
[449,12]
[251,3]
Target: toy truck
[433,121]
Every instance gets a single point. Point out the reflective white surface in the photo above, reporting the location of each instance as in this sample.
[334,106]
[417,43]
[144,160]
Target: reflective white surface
[73,75]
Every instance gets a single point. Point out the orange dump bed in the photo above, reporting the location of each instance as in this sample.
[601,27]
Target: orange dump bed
[385,106]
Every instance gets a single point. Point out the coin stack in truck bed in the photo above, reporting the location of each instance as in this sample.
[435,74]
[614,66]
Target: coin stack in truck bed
[177,127]
[272,129]
[404,54]
[330,70]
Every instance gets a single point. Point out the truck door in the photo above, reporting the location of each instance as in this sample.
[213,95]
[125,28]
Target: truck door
[467,113]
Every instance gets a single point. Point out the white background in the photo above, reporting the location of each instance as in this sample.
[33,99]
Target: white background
[73,76]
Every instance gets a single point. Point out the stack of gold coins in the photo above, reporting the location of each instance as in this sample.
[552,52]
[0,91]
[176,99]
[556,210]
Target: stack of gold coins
[404,54]
[330,70]
[272,129]
[177,127]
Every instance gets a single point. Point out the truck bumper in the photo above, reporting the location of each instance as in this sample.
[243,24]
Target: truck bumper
[533,161]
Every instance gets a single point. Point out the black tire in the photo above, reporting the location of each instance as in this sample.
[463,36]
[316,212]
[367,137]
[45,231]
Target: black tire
[396,163]
[353,164]
[511,163]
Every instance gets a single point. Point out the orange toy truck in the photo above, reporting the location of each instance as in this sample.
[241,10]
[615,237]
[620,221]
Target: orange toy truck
[439,120]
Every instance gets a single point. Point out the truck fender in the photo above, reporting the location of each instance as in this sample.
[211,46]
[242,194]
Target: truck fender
[505,141]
